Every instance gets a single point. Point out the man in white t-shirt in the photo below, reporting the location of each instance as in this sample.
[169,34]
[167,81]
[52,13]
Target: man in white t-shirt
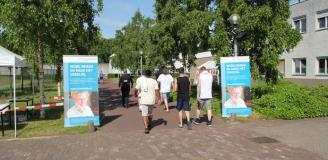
[204,94]
[148,91]
[166,82]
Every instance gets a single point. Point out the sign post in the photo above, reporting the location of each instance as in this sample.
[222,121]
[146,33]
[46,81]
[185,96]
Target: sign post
[80,90]
[235,84]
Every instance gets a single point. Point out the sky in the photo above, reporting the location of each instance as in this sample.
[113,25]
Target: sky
[117,13]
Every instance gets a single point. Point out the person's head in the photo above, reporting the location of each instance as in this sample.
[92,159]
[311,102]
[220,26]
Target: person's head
[80,98]
[125,71]
[202,69]
[235,93]
[166,71]
[147,73]
[181,70]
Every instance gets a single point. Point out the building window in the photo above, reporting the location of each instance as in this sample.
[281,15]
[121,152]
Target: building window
[300,24]
[322,19]
[300,66]
[323,65]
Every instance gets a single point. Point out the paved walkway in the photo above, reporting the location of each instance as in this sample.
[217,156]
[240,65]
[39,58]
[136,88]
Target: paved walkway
[121,137]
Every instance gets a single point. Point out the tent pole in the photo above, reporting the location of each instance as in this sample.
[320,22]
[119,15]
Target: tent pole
[22,81]
[14,79]
[11,80]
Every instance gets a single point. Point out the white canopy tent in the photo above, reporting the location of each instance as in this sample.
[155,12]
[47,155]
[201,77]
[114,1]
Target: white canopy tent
[10,59]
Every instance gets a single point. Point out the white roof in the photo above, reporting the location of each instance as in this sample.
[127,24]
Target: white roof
[204,54]
[208,65]
[178,64]
[8,58]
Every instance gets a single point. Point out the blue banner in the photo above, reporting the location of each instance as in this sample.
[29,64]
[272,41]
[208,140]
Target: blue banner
[236,83]
[81,90]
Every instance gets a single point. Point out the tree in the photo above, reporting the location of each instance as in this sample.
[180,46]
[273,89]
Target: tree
[40,28]
[103,49]
[132,39]
[267,31]
[182,27]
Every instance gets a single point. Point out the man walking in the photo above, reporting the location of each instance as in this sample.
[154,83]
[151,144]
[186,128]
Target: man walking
[124,84]
[148,91]
[182,85]
[204,95]
[165,82]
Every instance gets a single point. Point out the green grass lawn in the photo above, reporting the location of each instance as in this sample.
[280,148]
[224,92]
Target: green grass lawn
[52,125]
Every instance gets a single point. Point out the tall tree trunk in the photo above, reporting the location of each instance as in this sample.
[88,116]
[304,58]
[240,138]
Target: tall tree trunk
[41,74]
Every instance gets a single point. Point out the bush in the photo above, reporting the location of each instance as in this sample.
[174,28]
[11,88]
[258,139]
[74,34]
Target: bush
[287,100]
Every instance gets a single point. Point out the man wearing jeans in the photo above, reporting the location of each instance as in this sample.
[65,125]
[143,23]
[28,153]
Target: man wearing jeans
[204,95]
[148,91]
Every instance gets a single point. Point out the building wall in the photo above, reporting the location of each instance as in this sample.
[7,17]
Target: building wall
[314,43]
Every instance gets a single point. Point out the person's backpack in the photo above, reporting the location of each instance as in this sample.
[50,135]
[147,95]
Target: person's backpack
[126,80]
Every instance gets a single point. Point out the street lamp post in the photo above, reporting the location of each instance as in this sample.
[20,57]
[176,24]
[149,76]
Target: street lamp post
[234,19]
[141,53]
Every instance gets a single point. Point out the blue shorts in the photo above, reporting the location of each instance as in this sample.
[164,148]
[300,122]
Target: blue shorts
[183,104]
[166,95]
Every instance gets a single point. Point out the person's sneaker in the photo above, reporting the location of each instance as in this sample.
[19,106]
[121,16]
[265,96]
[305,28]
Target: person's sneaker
[189,125]
[196,121]
[149,126]
[209,123]
[146,131]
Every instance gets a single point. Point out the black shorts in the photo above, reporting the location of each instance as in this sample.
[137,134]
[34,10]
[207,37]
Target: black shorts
[183,104]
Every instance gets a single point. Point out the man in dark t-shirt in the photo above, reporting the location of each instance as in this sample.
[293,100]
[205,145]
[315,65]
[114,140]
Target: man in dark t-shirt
[182,86]
[124,84]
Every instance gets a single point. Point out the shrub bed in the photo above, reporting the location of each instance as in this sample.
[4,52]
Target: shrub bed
[287,100]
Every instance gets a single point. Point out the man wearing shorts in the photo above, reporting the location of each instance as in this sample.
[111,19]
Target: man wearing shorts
[166,82]
[204,95]
[182,86]
[148,91]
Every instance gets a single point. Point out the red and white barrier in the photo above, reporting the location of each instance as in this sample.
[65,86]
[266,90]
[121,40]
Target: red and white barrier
[57,98]
[39,106]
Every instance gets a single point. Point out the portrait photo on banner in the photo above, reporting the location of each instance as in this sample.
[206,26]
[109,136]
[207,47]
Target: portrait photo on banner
[237,97]
[82,104]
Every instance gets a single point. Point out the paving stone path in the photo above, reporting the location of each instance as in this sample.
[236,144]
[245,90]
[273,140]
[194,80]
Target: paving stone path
[121,137]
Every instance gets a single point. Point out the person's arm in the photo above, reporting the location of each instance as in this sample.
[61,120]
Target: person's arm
[136,90]
[159,81]
[198,89]
[175,85]
[158,97]
[120,82]
[131,80]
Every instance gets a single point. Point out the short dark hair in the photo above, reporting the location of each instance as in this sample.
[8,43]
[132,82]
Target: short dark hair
[165,70]
[181,70]
[147,73]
